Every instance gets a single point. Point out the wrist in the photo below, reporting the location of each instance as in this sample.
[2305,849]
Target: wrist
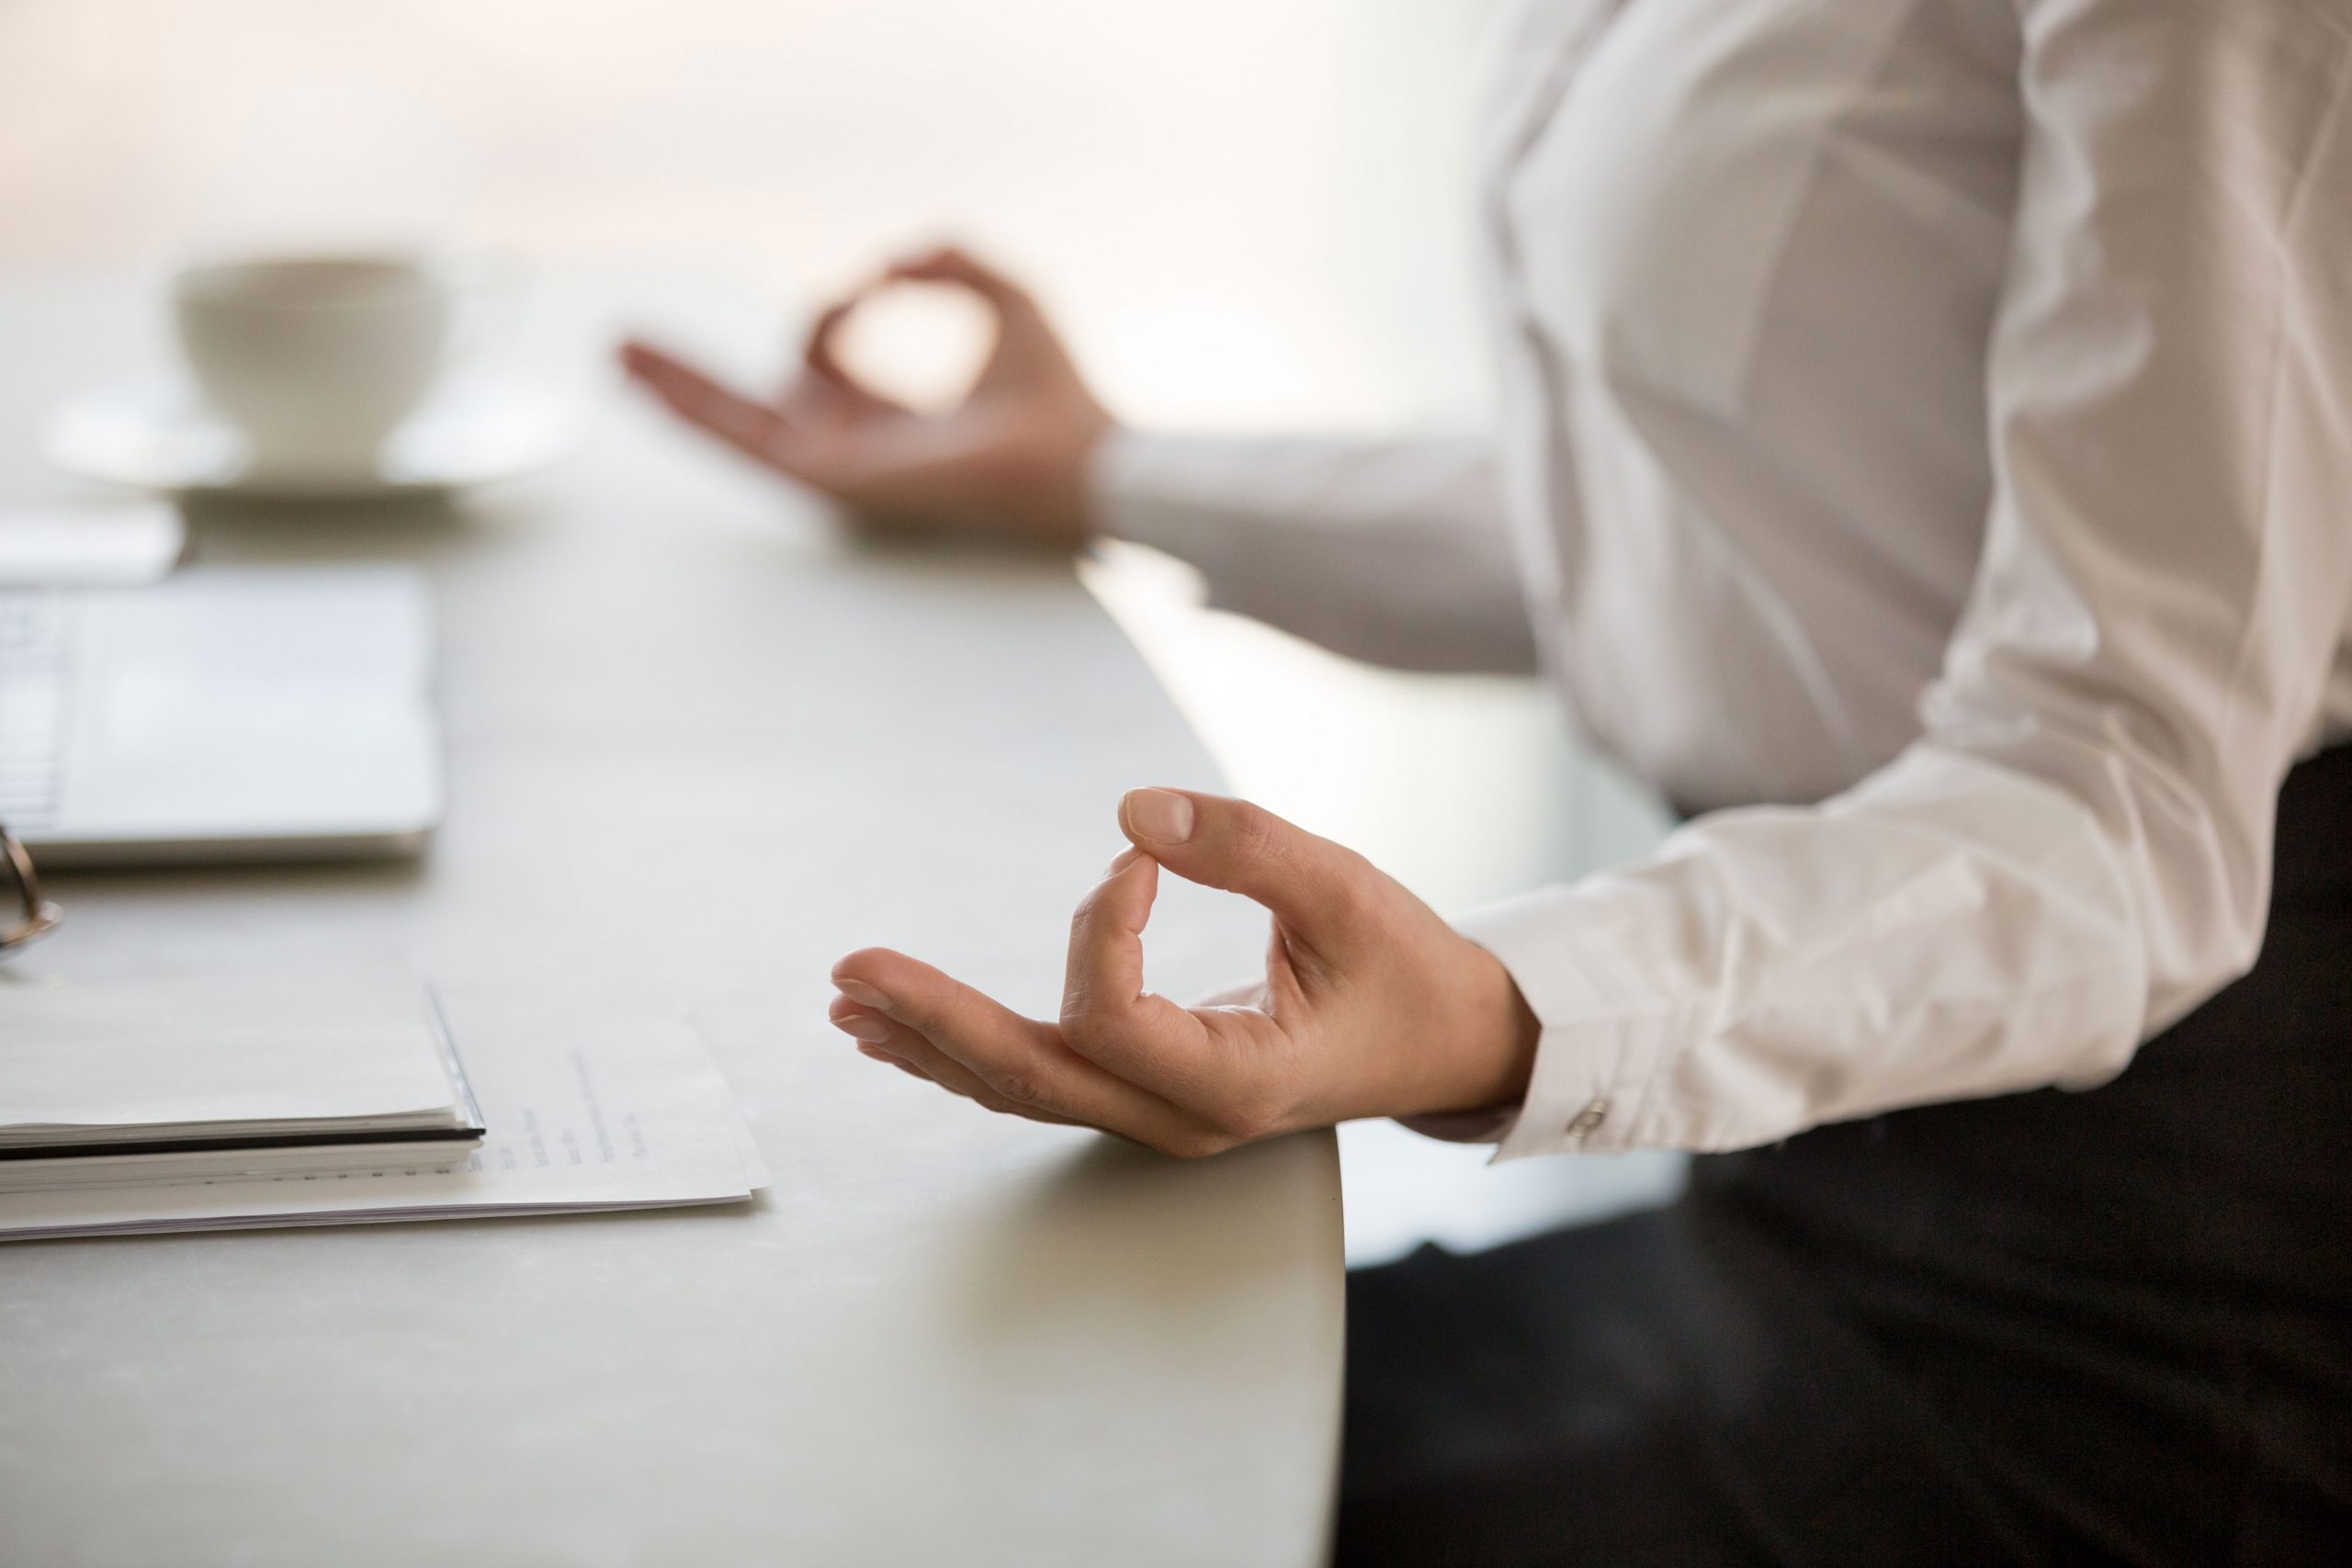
[1094,431]
[1054,500]
[1492,1054]
[1516,1032]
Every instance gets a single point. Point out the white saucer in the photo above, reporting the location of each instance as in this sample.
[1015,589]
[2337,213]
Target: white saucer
[157,435]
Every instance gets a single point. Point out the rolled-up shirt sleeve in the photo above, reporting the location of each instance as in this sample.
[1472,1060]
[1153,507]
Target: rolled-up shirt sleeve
[1391,552]
[2077,850]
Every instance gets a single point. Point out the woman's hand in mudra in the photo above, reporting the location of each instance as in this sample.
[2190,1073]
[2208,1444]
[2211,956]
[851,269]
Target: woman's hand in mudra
[1010,458]
[1370,1006]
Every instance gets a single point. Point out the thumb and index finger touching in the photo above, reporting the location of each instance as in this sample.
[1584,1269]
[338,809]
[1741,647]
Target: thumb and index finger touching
[1211,1060]
[959,268]
[765,432]
[949,265]
[1219,842]
[1310,885]
[1242,848]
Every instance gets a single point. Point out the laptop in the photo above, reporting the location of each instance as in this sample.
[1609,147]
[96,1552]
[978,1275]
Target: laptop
[269,712]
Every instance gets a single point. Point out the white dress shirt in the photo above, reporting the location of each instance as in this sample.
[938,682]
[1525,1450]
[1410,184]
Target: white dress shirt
[1927,452]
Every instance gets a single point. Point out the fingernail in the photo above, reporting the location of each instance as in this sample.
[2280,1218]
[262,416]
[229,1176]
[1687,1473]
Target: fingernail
[1119,862]
[875,1054]
[863,1026]
[1159,816]
[863,994]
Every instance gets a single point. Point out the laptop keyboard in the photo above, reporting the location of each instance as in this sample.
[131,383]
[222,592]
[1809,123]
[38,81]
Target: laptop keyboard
[33,691]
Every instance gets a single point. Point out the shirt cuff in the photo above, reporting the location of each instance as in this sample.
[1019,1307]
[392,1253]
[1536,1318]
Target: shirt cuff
[1140,487]
[1604,1036]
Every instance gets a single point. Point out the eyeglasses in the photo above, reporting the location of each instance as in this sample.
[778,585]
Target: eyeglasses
[20,885]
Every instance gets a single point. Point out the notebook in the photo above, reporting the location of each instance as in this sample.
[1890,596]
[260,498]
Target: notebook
[213,1076]
[594,1101]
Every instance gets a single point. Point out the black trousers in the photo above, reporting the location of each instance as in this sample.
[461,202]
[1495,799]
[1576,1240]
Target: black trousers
[2111,1326]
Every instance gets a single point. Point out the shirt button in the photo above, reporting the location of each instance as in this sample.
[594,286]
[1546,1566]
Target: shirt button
[1587,1120]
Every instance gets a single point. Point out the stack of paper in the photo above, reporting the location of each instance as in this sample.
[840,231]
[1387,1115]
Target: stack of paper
[196,1076]
[587,1107]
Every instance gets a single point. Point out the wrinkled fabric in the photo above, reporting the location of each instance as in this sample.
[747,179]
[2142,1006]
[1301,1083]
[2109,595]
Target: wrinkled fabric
[2045,1328]
[1925,454]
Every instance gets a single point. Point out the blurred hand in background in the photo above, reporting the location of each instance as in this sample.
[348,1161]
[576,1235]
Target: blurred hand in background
[1010,458]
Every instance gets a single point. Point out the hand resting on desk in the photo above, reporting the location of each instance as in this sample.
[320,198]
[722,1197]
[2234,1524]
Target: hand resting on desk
[1371,1006]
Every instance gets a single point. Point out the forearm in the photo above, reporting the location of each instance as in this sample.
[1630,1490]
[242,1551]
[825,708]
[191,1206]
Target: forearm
[2079,850]
[1393,553]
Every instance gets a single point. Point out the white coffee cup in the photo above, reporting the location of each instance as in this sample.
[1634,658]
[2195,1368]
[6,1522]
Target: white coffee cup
[315,358]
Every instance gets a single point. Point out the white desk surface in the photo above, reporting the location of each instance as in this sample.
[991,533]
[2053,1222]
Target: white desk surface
[697,748]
